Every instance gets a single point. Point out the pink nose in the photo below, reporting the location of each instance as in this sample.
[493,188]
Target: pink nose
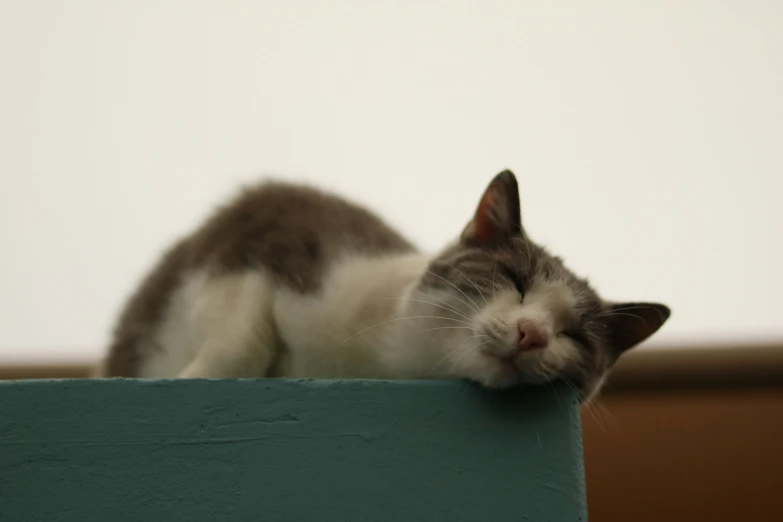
[531,336]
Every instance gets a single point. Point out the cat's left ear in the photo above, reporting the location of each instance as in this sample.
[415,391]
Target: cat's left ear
[629,324]
[497,218]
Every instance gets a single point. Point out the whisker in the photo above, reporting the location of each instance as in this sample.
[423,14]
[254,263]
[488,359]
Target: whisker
[402,318]
[494,268]
[572,386]
[590,410]
[471,282]
[638,307]
[600,407]
[612,314]
[449,308]
[528,253]
[453,366]
[587,404]
[557,395]
[473,306]
[451,352]
[445,307]
[449,328]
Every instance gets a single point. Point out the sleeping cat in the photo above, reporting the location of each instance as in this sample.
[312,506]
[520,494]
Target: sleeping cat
[289,281]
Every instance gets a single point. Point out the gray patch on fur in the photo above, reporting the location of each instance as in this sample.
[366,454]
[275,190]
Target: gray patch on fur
[293,232]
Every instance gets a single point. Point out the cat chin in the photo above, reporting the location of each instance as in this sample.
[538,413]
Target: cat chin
[498,374]
[498,382]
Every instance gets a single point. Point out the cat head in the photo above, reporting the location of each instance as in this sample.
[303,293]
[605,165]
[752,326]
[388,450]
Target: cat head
[513,313]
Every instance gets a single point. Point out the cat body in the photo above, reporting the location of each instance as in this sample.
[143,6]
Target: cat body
[290,281]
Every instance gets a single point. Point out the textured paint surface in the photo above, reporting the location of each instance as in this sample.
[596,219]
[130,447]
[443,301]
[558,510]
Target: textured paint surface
[277,450]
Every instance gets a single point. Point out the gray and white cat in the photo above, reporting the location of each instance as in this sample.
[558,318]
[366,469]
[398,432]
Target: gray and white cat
[289,281]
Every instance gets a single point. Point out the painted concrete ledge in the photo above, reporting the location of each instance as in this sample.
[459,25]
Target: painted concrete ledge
[279,450]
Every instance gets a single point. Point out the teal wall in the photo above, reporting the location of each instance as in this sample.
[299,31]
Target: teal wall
[278,450]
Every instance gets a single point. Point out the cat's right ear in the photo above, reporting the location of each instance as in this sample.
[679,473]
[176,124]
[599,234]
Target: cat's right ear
[497,219]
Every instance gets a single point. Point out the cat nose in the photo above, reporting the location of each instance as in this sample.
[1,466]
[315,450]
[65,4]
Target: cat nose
[531,336]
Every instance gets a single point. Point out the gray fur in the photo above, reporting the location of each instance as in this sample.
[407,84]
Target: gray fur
[293,231]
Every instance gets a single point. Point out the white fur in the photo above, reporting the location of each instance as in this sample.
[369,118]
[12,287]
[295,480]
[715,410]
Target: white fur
[238,324]
[369,320]
[347,328]
[216,327]
[550,305]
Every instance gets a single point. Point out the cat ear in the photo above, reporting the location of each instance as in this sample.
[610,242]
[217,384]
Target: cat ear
[497,218]
[629,324]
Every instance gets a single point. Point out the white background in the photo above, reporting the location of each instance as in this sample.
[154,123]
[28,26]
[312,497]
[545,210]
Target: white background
[647,138]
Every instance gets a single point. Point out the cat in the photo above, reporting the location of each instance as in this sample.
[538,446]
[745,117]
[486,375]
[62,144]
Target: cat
[290,281]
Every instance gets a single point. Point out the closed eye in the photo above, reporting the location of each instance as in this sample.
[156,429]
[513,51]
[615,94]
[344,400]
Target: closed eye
[579,337]
[574,335]
[516,281]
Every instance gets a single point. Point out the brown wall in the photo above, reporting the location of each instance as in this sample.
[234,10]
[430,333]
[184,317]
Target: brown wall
[686,455]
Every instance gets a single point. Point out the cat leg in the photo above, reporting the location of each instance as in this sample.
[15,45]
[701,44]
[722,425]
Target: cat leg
[236,335]
[220,360]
